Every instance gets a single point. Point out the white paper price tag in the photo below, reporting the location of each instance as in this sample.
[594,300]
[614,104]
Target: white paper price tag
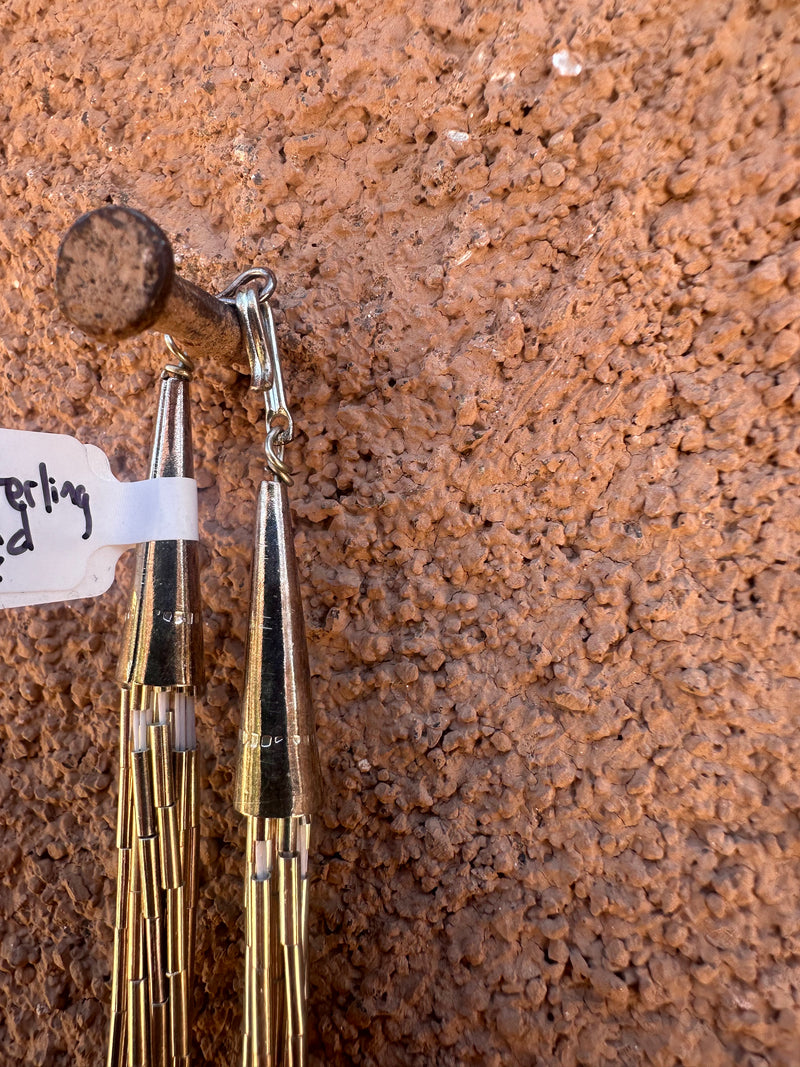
[65,519]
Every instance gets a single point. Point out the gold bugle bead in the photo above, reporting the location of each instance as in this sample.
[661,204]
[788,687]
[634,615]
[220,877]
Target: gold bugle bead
[258,916]
[262,897]
[192,863]
[178,1006]
[181,786]
[289,890]
[258,1035]
[176,930]
[133,922]
[118,972]
[248,983]
[159,1034]
[158,739]
[190,952]
[303,916]
[138,1035]
[125,832]
[148,852]
[169,847]
[135,883]
[158,981]
[247,1058]
[116,1041]
[297,1051]
[192,796]
[143,794]
[295,988]
[133,955]
[124,718]
[275,944]
[124,801]
[279,1010]
[255,998]
[124,864]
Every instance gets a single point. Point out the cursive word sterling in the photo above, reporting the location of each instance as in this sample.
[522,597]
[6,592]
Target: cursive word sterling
[22,495]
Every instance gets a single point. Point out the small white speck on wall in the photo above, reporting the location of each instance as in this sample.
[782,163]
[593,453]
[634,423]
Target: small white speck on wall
[566,63]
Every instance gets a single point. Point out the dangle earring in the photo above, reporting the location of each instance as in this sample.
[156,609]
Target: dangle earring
[277,772]
[161,674]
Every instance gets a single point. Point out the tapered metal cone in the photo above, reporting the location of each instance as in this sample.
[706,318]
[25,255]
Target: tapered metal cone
[277,773]
[162,641]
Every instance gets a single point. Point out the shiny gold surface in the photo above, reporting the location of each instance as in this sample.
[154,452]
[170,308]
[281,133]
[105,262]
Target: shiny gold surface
[143,794]
[139,1037]
[179,1019]
[159,1034]
[176,930]
[118,1035]
[276,950]
[158,739]
[125,800]
[124,866]
[154,915]
[169,847]
[148,858]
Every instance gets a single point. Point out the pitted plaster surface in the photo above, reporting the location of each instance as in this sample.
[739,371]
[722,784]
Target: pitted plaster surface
[541,334]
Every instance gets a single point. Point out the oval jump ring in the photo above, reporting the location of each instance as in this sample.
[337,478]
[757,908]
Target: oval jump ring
[276,462]
[185,366]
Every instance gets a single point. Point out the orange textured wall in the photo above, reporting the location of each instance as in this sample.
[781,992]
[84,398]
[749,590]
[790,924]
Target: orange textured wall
[541,334]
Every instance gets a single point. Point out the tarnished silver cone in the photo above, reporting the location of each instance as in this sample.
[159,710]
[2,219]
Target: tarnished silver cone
[162,643]
[277,771]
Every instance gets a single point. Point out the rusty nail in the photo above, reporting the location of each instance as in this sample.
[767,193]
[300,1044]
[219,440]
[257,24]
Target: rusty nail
[115,276]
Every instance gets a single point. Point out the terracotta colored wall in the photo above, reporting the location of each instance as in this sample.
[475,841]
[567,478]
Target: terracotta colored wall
[541,336]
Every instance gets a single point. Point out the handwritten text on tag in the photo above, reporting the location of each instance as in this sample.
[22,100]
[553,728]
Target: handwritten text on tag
[21,495]
[65,519]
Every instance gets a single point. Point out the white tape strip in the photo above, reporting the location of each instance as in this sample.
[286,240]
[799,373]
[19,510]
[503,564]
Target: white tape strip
[160,509]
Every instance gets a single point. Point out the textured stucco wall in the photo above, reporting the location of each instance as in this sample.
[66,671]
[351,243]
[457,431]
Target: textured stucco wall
[541,338]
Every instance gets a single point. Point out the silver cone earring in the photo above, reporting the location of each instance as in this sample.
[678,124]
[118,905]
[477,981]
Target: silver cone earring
[161,674]
[277,773]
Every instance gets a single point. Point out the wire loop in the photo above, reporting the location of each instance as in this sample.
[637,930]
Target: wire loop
[184,367]
[249,294]
[275,460]
[254,274]
[256,340]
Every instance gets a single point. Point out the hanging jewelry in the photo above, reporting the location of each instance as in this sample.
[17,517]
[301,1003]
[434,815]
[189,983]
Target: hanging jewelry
[161,673]
[277,772]
[278,778]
